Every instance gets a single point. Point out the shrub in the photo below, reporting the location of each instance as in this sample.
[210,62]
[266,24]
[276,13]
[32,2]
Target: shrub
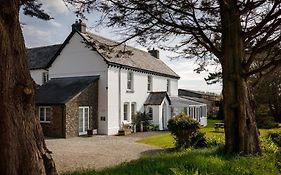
[186,132]
[143,118]
[266,122]
[276,138]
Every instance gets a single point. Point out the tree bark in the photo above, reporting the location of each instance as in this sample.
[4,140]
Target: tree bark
[22,147]
[241,134]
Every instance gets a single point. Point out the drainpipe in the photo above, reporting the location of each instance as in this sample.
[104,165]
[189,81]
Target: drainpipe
[119,96]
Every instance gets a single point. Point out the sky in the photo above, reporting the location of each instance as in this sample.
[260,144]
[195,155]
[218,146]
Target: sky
[41,33]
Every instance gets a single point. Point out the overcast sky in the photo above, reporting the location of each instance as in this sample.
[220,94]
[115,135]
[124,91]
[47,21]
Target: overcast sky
[41,33]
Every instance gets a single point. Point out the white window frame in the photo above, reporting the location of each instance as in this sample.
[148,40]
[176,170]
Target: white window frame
[45,77]
[45,114]
[130,81]
[125,117]
[149,83]
[84,109]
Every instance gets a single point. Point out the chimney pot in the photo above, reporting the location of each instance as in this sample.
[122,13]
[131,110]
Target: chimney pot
[80,26]
[154,53]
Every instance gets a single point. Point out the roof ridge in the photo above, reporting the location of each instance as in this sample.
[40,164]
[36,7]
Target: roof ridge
[40,47]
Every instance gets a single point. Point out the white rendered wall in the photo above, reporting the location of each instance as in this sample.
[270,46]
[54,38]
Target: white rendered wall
[78,60]
[138,96]
[37,75]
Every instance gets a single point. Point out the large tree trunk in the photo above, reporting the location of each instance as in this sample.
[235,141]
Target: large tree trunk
[241,134]
[22,146]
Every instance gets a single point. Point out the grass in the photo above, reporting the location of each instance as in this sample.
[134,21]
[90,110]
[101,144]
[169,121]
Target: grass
[208,161]
[205,161]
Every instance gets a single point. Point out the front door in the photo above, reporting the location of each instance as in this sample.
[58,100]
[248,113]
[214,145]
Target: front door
[83,120]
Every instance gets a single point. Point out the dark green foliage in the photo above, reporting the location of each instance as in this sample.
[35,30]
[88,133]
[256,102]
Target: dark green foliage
[186,132]
[144,119]
[276,138]
[33,8]
[214,78]
[265,122]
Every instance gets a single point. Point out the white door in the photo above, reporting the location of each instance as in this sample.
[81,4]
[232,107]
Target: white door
[83,120]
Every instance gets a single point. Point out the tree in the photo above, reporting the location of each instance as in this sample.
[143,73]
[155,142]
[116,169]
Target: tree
[268,93]
[22,146]
[243,36]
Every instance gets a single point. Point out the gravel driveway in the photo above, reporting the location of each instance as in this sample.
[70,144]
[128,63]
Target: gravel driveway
[98,151]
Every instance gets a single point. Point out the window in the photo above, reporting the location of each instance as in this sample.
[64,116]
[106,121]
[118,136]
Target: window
[150,113]
[133,109]
[168,86]
[83,119]
[45,114]
[45,77]
[130,81]
[149,83]
[126,106]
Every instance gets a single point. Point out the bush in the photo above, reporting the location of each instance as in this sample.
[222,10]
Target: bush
[266,122]
[143,118]
[276,138]
[186,132]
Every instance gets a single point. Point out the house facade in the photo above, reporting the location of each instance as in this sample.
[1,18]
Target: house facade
[127,77]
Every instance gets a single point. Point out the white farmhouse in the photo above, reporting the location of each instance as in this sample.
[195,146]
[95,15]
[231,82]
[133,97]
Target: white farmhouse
[129,80]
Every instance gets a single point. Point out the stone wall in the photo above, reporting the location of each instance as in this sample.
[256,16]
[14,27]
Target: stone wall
[88,97]
[55,128]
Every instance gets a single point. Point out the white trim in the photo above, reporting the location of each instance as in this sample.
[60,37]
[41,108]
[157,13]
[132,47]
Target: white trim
[83,126]
[45,114]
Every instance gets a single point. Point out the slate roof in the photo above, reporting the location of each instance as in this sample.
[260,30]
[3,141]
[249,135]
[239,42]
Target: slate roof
[39,57]
[61,90]
[179,101]
[117,54]
[156,98]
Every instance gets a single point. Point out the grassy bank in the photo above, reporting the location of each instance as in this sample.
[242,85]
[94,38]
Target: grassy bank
[204,161]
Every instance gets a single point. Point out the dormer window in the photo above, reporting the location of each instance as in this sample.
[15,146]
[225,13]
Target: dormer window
[45,77]
[149,83]
[130,81]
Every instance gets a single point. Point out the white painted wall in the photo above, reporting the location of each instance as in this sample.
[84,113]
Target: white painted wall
[37,75]
[78,60]
[138,96]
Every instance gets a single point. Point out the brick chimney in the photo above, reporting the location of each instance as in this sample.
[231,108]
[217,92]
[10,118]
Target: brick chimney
[80,26]
[154,53]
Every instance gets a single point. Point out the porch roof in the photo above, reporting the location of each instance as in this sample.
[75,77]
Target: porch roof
[156,98]
[179,101]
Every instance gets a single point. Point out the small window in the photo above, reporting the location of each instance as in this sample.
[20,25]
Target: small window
[150,113]
[45,77]
[168,86]
[45,114]
[133,109]
[149,83]
[126,106]
[130,81]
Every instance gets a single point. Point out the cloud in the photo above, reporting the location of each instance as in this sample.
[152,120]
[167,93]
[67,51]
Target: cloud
[39,37]
[56,6]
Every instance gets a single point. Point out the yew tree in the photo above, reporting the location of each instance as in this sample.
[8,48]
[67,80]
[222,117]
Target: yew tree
[22,146]
[243,36]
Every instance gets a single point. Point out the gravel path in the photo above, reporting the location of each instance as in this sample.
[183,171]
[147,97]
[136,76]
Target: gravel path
[98,151]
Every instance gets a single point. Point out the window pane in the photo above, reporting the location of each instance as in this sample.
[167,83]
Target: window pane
[41,113]
[150,113]
[48,114]
[80,119]
[133,110]
[125,111]
[149,83]
[86,124]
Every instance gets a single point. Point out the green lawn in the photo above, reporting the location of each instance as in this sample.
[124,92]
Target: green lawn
[195,162]
[208,161]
